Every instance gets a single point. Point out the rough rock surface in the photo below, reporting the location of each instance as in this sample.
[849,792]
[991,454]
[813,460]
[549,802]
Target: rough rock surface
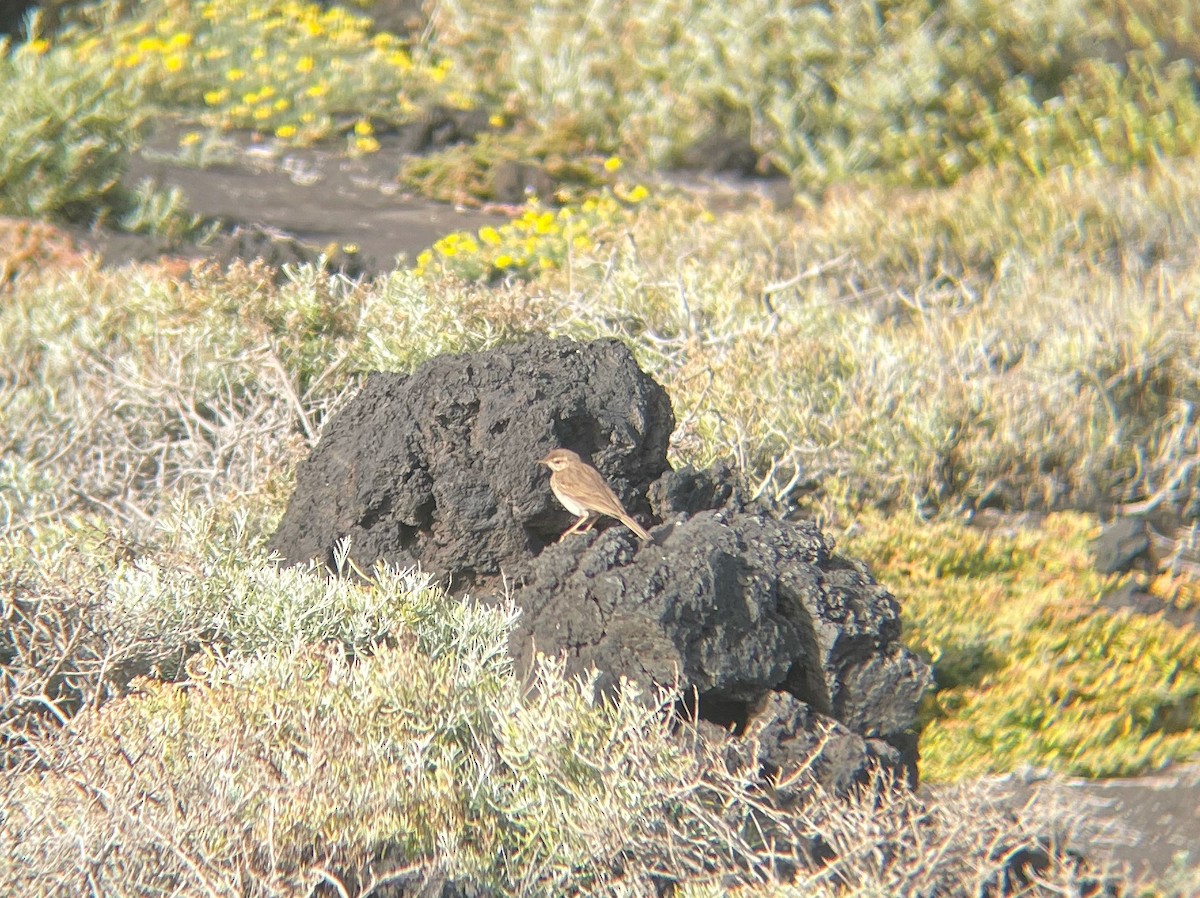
[766,629]
[689,490]
[784,735]
[440,467]
[735,606]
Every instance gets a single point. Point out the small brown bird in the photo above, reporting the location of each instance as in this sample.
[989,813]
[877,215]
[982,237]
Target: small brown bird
[581,490]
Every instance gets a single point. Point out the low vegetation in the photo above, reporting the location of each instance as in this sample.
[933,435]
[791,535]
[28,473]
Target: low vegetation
[983,298]
[69,126]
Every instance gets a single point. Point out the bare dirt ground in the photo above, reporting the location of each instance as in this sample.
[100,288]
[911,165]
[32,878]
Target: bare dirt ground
[321,198]
[315,195]
[1143,824]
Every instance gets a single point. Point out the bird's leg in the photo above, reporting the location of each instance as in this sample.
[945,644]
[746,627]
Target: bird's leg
[592,518]
[585,516]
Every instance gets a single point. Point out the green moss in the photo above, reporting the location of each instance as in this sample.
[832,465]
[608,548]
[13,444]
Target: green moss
[1030,670]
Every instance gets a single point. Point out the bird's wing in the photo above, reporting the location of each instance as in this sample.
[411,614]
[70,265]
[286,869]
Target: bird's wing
[584,480]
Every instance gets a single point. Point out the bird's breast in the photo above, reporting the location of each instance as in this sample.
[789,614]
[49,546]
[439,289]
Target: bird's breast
[567,501]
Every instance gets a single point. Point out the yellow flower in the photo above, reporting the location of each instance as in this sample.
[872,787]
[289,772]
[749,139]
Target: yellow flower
[504,260]
[582,242]
[638,194]
[150,45]
[305,64]
[612,163]
[489,236]
[251,98]
[285,131]
[308,117]
[216,97]
[235,75]
[449,250]
[496,120]
[424,260]
[350,248]
[317,90]
[366,144]
[363,128]
[281,104]
[258,53]
[262,113]
[190,139]
[179,41]
[173,63]
[133,60]
[267,92]
[38,47]
[401,60]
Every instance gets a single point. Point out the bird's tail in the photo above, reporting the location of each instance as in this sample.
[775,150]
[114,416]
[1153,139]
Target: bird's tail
[635,527]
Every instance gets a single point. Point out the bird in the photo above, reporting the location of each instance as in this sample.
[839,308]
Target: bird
[581,490]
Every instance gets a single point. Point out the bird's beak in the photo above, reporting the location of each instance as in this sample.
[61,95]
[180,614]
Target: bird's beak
[543,461]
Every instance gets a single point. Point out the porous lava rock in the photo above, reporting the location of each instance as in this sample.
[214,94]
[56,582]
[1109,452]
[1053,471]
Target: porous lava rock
[689,490]
[734,606]
[785,735]
[440,468]
[764,627]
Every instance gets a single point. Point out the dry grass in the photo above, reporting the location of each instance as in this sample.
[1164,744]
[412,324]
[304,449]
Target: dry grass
[280,772]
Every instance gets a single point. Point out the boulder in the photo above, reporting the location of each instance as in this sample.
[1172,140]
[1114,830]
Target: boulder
[735,606]
[770,633]
[440,468]
[785,735]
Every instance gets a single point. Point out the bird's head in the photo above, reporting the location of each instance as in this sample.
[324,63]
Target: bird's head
[557,459]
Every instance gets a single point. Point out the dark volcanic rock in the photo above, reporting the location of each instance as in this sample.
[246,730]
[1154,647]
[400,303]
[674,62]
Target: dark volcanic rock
[247,243]
[515,182]
[689,490]
[755,618]
[440,467]
[784,735]
[734,605]
[441,127]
